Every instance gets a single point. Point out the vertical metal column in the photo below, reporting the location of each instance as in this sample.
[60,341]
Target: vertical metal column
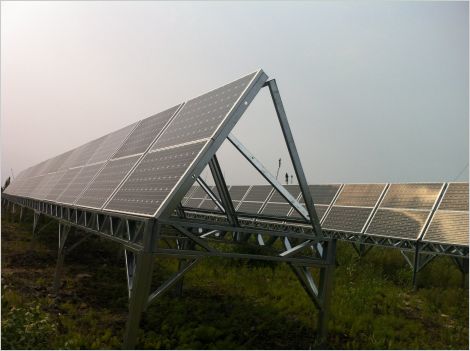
[63,234]
[141,283]
[36,218]
[416,267]
[326,287]
[299,172]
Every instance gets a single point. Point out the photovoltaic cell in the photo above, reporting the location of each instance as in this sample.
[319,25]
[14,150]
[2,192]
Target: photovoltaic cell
[141,138]
[349,219]
[258,193]
[79,183]
[398,223]
[153,179]
[200,117]
[106,182]
[449,227]
[413,196]
[110,144]
[360,195]
[455,197]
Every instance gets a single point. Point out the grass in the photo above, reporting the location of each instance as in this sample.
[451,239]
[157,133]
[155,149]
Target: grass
[226,304]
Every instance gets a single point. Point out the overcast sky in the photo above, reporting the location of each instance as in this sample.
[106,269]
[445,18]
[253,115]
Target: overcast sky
[374,92]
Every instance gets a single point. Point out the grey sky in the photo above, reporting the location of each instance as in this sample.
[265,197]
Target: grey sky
[375,92]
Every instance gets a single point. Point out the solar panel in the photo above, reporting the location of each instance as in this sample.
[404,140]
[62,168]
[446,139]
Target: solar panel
[58,161]
[449,227]
[237,192]
[153,179]
[188,195]
[320,209]
[415,196]
[449,224]
[404,210]
[110,144]
[323,194]
[455,197]
[360,195]
[78,183]
[199,193]
[294,190]
[38,169]
[200,117]
[353,207]
[64,181]
[194,203]
[250,207]
[208,204]
[106,182]
[276,209]
[142,136]
[33,185]
[47,183]
[349,219]
[50,184]
[398,223]
[258,193]
[82,154]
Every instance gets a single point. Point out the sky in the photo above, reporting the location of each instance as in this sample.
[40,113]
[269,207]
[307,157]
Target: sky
[374,91]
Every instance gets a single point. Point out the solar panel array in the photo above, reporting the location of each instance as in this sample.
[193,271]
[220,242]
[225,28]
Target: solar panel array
[137,168]
[402,211]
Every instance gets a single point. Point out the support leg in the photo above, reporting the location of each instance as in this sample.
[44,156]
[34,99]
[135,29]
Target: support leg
[63,234]
[36,218]
[416,267]
[325,288]
[139,295]
[141,284]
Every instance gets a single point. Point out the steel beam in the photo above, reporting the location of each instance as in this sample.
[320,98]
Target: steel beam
[294,156]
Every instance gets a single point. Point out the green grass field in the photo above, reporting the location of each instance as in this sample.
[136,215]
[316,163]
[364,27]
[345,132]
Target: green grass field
[226,304]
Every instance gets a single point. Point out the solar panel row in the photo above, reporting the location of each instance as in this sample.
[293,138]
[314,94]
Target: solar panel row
[136,169]
[403,211]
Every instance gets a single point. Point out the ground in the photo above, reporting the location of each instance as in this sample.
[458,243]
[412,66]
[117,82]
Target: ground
[226,304]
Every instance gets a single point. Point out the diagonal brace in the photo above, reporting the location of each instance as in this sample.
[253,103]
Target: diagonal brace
[195,238]
[170,282]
